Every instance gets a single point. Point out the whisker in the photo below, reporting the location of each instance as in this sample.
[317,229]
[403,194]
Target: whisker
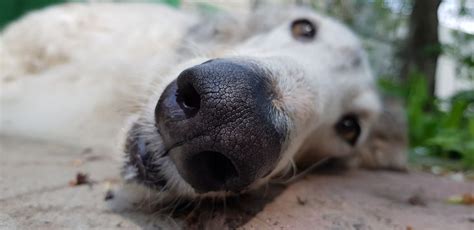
[302,173]
[224,202]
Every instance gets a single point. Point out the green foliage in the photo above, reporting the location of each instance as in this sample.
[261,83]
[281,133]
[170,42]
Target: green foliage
[460,49]
[438,128]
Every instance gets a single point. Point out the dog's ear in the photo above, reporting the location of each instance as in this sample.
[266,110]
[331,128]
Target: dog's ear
[387,144]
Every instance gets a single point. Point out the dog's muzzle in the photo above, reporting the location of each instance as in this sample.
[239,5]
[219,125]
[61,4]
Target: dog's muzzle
[218,123]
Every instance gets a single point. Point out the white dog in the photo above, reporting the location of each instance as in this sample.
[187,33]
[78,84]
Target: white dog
[214,106]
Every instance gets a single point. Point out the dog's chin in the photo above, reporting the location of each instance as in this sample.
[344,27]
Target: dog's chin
[144,165]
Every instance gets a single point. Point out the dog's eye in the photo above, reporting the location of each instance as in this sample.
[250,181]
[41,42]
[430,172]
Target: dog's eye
[348,128]
[303,30]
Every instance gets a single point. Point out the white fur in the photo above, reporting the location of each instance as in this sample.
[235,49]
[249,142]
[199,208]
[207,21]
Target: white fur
[74,73]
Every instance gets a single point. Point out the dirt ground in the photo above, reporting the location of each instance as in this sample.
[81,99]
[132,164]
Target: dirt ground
[35,193]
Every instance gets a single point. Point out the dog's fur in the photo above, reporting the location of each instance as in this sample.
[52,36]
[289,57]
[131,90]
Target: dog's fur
[77,73]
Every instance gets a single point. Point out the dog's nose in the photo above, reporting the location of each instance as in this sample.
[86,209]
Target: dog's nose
[218,122]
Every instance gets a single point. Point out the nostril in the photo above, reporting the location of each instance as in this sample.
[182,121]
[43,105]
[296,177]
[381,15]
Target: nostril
[212,171]
[188,99]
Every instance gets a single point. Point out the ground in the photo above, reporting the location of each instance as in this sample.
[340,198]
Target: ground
[38,191]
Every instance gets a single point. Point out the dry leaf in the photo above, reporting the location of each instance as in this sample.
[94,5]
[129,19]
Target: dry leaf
[81,178]
[466,198]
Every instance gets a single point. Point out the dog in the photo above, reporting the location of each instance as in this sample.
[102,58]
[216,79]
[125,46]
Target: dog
[203,106]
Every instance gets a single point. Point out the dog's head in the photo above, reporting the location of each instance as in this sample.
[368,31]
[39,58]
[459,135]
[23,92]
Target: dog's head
[299,91]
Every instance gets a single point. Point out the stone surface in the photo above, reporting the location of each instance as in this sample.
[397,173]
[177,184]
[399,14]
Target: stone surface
[35,193]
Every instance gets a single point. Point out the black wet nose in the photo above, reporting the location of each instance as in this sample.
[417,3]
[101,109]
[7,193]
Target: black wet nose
[218,122]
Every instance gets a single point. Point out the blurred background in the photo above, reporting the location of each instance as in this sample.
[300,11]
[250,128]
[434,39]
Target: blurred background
[422,52]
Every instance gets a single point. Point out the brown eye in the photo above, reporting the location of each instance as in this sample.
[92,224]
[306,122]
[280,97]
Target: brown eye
[348,128]
[303,30]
